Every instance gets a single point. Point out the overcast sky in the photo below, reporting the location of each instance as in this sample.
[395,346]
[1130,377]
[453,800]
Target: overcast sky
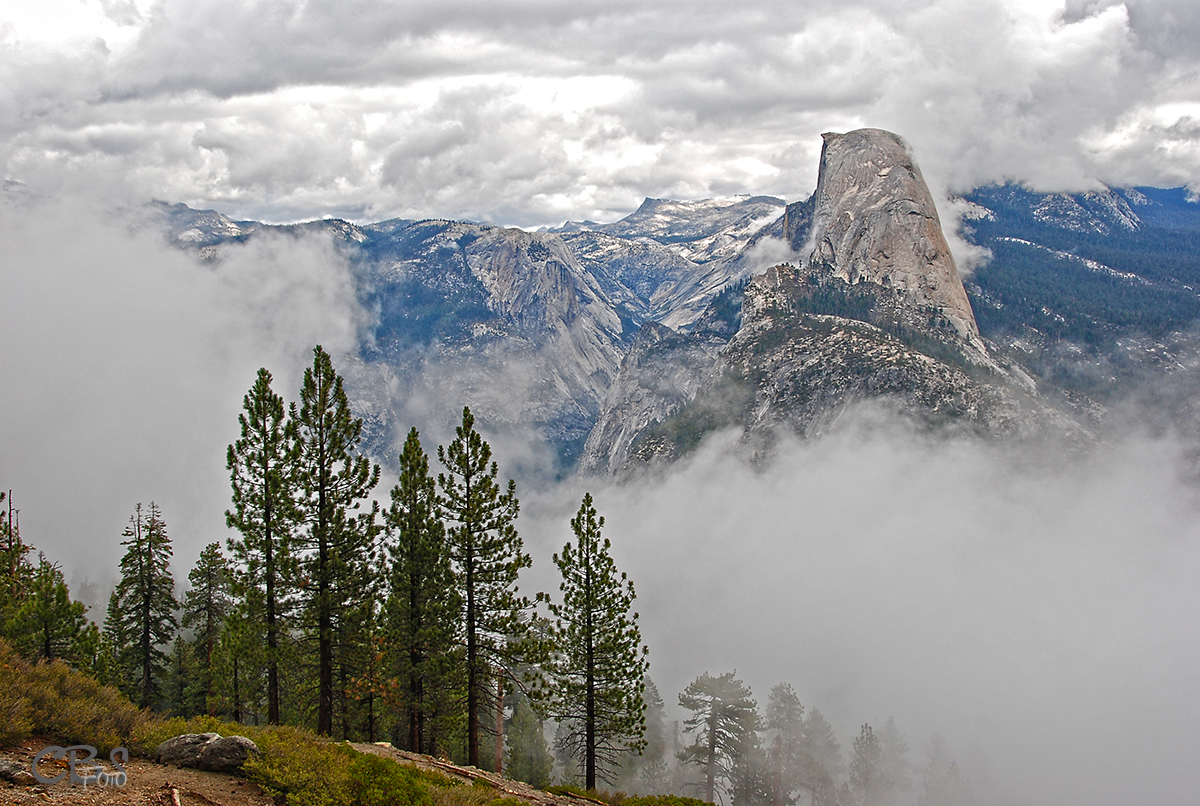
[527,113]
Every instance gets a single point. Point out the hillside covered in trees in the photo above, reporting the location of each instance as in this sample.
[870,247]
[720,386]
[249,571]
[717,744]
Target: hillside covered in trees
[325,611]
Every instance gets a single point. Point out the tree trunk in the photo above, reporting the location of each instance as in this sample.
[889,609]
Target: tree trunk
[324,614]
[272,629]
[710,787]
[499,723]
[472,662]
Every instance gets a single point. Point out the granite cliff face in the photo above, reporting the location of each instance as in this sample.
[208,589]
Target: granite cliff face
[875,221]
[874,311]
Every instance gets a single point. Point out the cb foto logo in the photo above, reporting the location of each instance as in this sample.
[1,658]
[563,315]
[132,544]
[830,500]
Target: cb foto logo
[81,768]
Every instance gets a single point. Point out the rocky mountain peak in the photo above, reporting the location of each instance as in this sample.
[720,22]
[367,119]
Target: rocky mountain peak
[875,221]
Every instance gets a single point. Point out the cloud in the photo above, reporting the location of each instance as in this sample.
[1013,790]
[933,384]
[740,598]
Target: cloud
[1036,610]
[531,113]
[125,363]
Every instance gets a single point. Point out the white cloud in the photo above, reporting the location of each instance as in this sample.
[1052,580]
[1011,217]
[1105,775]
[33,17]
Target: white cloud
[125,363]
[531,113]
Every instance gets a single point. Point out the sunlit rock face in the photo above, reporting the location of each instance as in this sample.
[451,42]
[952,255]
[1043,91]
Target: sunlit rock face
[875,221]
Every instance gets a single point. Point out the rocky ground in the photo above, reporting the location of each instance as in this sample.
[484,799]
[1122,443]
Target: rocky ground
[151,784]
[148,784]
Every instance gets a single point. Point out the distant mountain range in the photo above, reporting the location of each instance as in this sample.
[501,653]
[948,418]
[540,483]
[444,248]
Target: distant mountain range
[624,343]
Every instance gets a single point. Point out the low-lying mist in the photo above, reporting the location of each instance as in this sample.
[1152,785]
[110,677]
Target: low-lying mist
[1037,608]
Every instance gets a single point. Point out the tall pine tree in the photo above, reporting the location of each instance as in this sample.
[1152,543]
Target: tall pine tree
[141,611]
[868,784]
[788,752]
[333,481]
[488,558]
[423,606]
[599,661]
[263,464]
[723,721]
[205,607]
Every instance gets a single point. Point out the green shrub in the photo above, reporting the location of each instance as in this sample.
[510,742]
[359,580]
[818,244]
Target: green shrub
[63,705]
[665,800]
[299,768]
[509,801]
[462,795]
[376,781]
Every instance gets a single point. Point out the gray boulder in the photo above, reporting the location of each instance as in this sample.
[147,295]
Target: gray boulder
[16,772]
[207,751]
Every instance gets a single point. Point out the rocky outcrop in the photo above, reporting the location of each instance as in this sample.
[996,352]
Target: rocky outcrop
[207,751]
[662,371]
[875,311]
[875,221]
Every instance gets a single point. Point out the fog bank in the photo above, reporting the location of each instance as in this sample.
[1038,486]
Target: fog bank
[1039,611]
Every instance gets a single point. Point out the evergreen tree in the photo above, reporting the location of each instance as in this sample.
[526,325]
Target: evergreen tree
[182,697]
[205,607]
[868,784]
[423,605]
[47,624]
[649,773]
[15,567]
[333,481]
[894,757]
[239,678]
[946,786]
[723,719]
[488,557]
[789,757]
[141,611]
[599,660]
[263,464]
[528,757]
[822,743]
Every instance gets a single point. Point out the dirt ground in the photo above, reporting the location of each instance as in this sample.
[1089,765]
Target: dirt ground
[149,784]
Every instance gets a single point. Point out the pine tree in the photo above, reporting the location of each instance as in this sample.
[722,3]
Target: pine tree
[724,719]
[488,557]
[653,771]
[789,759]
[333,482]
[263,464]
[423,606]
[141,611]
[47,623]
[894,757]
[205,607]
[823,757]
[15,568]
[868,785]
[527,758]
[239,668]
[181,695]
[599,660]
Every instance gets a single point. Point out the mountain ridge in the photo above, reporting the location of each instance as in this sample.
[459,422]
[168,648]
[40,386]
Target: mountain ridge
[536,328]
